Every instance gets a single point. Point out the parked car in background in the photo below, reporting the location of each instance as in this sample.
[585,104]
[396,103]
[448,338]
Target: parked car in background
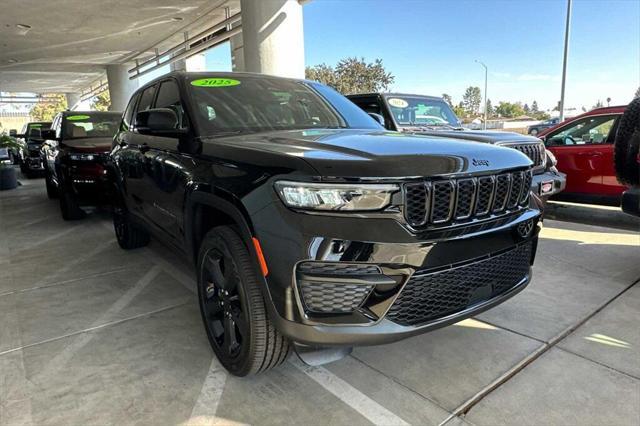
[432,116]
[30,141]
[535,129]
[627,156]
[74,155]
[311,225]
[583,147]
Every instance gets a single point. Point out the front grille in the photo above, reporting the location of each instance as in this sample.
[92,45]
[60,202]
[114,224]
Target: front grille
[535,151]
[446,202]
[335,297]
[428,296]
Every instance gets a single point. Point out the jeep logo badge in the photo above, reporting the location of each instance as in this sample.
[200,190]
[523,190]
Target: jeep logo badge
[477,162]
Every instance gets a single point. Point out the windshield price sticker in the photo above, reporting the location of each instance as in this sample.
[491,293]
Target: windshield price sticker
[77,117]
[398,103]
[215,82]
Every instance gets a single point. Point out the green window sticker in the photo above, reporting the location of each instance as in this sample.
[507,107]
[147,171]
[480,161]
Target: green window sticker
[36,125]
[215,82]
[77,117]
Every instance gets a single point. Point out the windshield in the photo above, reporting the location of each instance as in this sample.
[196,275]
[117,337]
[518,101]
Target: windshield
[412,111]
[90,125]
[34,131]
[257,104]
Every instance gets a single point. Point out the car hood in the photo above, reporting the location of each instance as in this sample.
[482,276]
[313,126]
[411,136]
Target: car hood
[486,136]
[89,145]
[375,153]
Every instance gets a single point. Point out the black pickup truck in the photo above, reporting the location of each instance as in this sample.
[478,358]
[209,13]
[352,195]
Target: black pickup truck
[430,115]
[309,224]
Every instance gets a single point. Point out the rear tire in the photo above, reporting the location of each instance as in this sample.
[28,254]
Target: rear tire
[129,235]
[233,309]
[627,145]
[69,207]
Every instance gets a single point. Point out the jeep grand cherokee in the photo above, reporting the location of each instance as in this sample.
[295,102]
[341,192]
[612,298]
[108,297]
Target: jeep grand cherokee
[309,224]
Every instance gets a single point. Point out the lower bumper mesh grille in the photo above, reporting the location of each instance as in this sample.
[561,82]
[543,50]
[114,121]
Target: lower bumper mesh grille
[430,296]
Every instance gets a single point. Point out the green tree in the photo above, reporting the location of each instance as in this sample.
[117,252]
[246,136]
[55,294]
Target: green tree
[447,99]
[47,108]
[352,75]
[460,111]
[509,110]
[471,99]
[526,109]
[534,107]
[637,95]
[598,104]
[490,110]
[101,102]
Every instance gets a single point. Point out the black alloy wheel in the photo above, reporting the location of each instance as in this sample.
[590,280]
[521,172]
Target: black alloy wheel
[232,306]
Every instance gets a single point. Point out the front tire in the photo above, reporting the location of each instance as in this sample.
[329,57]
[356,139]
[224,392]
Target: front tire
[233,309]
[52,191]
[129,235]
[69,207]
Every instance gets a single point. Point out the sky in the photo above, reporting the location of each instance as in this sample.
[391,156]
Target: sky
[430,46]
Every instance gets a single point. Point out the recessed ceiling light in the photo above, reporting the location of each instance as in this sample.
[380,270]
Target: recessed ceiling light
[23,26]
[12,61]
[177,18]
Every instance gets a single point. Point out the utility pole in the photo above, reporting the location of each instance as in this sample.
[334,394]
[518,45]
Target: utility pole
[564,59]
[485,92]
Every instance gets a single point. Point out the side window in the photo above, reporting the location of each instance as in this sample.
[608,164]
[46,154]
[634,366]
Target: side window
[368,105]
[587,131]
[169,97]
[127,117]
[146,99]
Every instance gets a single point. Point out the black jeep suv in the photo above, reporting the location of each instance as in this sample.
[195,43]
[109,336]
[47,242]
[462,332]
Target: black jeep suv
[309,224]
[74,154]
[432,116]
[30,141]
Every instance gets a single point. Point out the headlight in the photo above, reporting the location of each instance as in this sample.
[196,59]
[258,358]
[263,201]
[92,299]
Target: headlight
[321,196]
[82,157]
[551,158]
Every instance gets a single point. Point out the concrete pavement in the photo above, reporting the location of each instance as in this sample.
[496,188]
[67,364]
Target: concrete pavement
[90,334]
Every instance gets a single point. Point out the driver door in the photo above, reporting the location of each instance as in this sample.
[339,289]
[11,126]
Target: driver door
[584,150]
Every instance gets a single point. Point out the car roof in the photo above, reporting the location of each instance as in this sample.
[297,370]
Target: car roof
[189,75]
[618,109]
[65,113]
[392,94]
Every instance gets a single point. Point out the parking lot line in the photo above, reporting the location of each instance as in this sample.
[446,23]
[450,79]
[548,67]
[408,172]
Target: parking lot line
[351,396]
[205,409]
[98,327]
[471,402]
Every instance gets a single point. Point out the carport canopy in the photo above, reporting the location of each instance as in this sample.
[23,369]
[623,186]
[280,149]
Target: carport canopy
[79,47]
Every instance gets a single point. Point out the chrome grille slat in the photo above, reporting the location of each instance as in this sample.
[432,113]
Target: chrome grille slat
[443,202]
[535,151]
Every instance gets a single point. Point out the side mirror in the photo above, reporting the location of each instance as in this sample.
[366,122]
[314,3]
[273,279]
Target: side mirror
[377,117]
[159,121]
[13,133]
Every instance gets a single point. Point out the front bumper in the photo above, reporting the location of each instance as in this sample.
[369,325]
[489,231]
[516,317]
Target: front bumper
[554,180]
[400,259]
[88,181]
[33,164]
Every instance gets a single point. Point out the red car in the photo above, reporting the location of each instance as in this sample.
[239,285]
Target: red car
[583,147]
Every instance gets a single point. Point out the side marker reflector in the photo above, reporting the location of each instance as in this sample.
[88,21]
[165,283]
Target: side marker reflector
[261,261]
